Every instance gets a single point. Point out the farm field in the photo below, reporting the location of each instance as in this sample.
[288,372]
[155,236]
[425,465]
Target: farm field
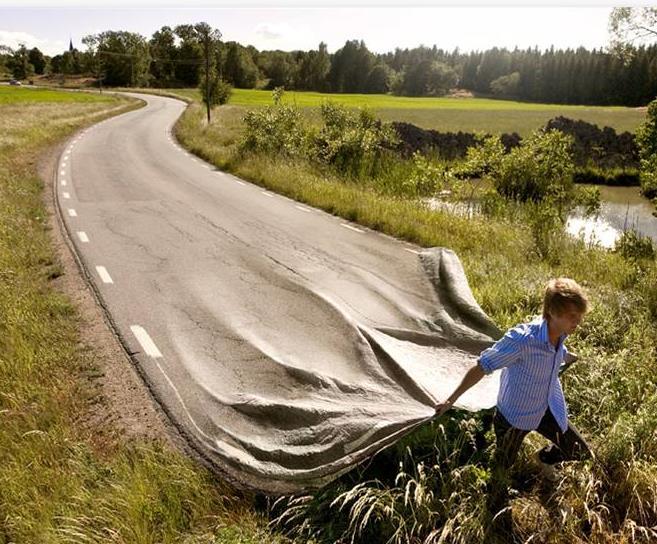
[23,95]
[448,114]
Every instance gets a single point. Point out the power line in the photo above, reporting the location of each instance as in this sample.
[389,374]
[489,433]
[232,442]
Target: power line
[174,61]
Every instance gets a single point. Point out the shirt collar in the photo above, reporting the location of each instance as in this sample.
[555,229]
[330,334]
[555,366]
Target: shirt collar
[543,331]
[543,334]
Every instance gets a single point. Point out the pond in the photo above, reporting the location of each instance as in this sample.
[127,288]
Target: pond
[622,208]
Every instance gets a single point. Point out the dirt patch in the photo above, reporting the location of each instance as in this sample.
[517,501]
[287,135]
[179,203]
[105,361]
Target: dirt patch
[459,93]
[122,406]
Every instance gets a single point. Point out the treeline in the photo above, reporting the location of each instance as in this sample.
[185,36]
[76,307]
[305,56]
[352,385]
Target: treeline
[172,57]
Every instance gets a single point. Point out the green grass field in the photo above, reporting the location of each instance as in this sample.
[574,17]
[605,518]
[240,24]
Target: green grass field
[253,97]
[25,95]
[447,114]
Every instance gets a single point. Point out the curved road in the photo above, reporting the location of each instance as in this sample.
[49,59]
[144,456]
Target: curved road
[287,343]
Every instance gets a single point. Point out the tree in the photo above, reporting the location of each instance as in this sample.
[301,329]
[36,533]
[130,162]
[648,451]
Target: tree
[36,58]
[428,78]
[350,67]
[67,65]
[20,65]
[239,68]
[281,69]
[5,57]
[506,85]
[494,63]
[646,139]
[95,61]
[163,52]
[125,57]
[379,79]
[629,27]
[190,55]
[313,69]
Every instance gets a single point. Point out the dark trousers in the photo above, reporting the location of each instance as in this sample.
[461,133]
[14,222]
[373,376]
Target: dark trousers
[566,446]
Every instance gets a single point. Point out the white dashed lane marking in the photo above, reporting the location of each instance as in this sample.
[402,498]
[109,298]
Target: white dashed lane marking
[83,236]
[146,342]
[267,194]
[303,209]
[66,195]
[104,274]
[72,212]
[350,227]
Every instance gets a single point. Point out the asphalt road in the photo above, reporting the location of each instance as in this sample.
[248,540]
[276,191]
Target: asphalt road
[271,332]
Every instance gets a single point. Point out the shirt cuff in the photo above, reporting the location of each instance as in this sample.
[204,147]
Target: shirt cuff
[485,365]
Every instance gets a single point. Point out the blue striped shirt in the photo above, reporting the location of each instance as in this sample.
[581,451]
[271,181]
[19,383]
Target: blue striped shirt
[529,384]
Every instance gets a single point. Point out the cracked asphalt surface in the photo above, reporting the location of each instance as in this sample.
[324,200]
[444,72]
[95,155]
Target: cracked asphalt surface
[286,344]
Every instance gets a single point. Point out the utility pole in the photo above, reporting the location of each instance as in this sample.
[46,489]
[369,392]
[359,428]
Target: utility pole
[99,73]
[207,75]
[207,38]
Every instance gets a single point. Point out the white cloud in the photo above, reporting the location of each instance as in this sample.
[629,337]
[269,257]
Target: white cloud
[15,39]
[270,31]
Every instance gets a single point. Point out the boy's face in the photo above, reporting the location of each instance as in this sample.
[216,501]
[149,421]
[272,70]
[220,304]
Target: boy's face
[567,321]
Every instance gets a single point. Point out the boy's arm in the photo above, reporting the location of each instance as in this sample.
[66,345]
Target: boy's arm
[503,353]
[472,377]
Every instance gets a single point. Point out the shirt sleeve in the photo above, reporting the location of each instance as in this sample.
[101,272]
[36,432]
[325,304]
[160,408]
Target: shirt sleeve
[505,352]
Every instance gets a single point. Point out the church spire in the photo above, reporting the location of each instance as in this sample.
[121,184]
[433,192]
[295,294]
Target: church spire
[70,44]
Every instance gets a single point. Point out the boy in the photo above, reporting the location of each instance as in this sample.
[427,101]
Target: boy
[530,395]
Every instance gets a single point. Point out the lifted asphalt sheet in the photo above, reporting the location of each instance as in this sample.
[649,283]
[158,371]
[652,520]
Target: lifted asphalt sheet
[298,410]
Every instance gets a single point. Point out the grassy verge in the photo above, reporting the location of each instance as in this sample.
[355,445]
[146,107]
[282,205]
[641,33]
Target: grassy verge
[56,483]
[611,392]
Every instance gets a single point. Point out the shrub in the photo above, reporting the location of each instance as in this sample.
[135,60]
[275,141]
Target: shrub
[539,168]
[427,178]
[646,136]
[223,91]
[483,158]
[276,129]
[220,91]
[353,141]
[648,177]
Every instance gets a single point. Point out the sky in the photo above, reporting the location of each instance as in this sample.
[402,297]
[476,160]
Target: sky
[288,27]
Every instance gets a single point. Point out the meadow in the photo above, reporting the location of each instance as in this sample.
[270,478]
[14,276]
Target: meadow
[23,95]
[446,114]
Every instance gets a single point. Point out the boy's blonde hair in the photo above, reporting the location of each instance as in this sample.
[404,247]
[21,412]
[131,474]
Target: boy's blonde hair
[561,293]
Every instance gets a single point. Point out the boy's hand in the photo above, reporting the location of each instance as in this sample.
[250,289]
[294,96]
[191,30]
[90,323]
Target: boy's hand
[442,408]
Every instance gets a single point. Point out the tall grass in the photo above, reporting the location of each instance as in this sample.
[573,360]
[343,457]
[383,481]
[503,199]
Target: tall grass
[437,493]
[58,481]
